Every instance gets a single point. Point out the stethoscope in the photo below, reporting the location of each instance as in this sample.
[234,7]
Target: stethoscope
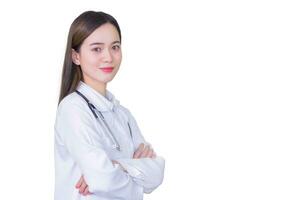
[116,145]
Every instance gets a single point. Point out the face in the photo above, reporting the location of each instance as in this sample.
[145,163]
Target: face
[99,55]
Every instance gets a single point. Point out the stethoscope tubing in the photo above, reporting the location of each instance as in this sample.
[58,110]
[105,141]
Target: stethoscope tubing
[116,145]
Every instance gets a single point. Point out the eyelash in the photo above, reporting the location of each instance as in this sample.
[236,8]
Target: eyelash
[116,47]
[97,49]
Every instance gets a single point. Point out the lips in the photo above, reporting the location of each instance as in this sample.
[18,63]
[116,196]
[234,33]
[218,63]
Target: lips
[107,69]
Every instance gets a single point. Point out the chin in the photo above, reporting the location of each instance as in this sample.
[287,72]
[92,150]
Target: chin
[106,80]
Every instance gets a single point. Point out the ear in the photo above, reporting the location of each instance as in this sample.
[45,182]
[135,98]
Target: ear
[75,57]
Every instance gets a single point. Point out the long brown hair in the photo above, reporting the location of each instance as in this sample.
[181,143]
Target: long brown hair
[80,29]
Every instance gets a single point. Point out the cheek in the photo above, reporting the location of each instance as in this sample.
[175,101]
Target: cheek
[118,57]
[89,61]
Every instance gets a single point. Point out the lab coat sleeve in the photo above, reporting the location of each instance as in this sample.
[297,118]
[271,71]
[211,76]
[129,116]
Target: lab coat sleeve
[76,129]
[147,172]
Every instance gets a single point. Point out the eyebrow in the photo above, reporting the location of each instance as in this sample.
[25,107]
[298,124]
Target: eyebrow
[101,43]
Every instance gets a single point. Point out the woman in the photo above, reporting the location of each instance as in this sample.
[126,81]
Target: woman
[99,150]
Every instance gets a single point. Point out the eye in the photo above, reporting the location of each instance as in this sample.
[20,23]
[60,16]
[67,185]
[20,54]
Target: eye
[97,49]
[116,47]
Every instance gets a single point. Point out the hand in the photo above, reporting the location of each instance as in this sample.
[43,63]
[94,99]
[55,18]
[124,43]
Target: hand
[144,151]
[83,187]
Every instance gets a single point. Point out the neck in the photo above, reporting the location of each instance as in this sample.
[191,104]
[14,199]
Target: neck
[99,87]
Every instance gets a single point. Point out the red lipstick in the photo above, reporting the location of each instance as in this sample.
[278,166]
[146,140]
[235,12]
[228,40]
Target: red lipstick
[107,69]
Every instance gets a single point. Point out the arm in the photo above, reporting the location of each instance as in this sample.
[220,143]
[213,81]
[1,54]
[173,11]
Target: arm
[76,129]
[147,172]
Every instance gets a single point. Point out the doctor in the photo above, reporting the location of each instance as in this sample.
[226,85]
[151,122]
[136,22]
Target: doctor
[100,153]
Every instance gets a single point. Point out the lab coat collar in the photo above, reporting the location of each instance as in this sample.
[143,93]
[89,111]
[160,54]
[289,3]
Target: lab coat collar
[102,103]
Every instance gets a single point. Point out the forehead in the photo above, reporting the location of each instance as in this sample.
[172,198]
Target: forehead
[106,33]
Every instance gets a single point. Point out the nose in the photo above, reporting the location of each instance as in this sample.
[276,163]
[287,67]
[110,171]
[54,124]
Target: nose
[107,56]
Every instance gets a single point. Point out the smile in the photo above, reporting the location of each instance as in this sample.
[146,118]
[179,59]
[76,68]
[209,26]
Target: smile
[107,69]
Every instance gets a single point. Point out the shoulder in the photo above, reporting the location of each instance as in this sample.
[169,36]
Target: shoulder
[72,104]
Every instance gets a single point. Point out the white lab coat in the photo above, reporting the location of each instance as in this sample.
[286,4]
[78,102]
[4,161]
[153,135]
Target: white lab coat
[82,147]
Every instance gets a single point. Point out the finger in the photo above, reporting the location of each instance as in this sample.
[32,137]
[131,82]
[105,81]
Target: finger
[139,150]
[82,188]
[114,162]
[86,191]
[150,153]
[79,182]
[145,152]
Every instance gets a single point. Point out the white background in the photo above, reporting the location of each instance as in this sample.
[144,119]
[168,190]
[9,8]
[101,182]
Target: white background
[214,86]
